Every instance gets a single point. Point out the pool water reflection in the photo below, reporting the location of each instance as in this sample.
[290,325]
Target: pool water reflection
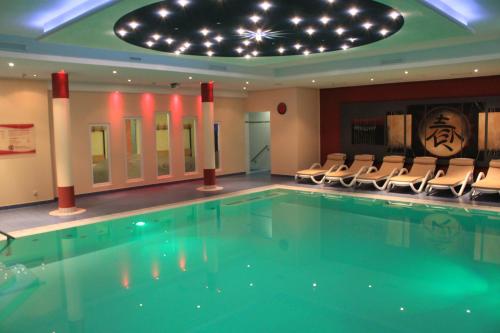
[273,261]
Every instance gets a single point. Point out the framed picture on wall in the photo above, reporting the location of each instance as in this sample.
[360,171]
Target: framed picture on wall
[446,130]
[17,139]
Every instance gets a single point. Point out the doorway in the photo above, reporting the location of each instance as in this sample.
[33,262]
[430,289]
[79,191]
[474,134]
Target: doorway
[258,125]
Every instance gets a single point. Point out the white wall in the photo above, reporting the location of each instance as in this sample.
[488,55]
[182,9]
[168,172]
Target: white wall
[295,136]
[26,178]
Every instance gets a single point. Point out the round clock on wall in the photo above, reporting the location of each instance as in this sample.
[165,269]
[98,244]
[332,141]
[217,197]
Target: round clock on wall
[282,108]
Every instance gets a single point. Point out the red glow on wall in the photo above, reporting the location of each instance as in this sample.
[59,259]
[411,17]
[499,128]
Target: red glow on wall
[148,105]
[177,109]
[199,107]
[116,107]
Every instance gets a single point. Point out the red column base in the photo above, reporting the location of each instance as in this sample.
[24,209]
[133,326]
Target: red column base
[66,197]
[209,177]
[209,184]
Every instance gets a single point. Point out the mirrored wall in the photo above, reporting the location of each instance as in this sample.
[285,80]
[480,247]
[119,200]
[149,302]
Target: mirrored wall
[163,144]
[99,147]
[189,135]
[133,139]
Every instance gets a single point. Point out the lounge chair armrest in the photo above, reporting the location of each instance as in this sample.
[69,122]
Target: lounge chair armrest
[403,171]
[470,177]
[372,169]
[315,166]
[480,176]
[393,173]
[333,168]
[440,174]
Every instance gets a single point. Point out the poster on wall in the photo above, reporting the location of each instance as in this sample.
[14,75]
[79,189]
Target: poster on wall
[17,139]
[445,130]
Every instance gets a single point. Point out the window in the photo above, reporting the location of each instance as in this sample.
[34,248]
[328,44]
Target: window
[163,144]
[133,139]
[217,145]
[99,147]
[189,144]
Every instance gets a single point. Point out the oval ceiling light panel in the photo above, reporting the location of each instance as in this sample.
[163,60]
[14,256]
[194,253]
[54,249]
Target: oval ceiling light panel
[247,29]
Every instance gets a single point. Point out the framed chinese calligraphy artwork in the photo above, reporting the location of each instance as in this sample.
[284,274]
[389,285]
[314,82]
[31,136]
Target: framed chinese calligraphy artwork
[445,130]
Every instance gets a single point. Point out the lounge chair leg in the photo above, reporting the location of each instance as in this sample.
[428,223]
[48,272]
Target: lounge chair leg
[320,182]
[383,187]
[351,184]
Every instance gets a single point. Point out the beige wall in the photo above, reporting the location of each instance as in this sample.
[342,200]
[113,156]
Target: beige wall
[112,108]
[26,178]
[295,135]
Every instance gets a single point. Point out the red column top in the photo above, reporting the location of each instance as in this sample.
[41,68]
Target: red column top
[60,85]
[207,92]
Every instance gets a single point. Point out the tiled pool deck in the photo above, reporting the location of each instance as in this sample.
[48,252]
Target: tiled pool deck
[17,219]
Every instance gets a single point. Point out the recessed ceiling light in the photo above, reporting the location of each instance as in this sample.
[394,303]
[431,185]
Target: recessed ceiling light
[313,81]
[133,25]
[310,31]
[367,25]
[296,20]
[265,5]
[394,15]
[406,72]
[372,79]
[476,70]
[340,31]
[34,75]
[348,17]
[163,12]
[324,19]
[353,11]
[255,18]
[11,64]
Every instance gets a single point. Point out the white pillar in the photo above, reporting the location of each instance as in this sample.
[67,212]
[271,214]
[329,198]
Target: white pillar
[207,99]
[62,145]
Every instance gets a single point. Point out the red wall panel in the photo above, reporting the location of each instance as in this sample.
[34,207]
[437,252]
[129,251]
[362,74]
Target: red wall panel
[332,100]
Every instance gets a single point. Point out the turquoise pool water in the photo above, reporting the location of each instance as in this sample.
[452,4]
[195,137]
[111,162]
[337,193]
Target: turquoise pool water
[274,261]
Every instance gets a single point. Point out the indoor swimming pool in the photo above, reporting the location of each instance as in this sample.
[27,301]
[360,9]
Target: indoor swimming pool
[272,261]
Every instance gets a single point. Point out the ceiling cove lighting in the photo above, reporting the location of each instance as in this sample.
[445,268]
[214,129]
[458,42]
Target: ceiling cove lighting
[462,12]
[74,10]
[256,28]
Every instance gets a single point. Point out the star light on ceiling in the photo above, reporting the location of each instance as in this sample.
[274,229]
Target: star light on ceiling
[251,29]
